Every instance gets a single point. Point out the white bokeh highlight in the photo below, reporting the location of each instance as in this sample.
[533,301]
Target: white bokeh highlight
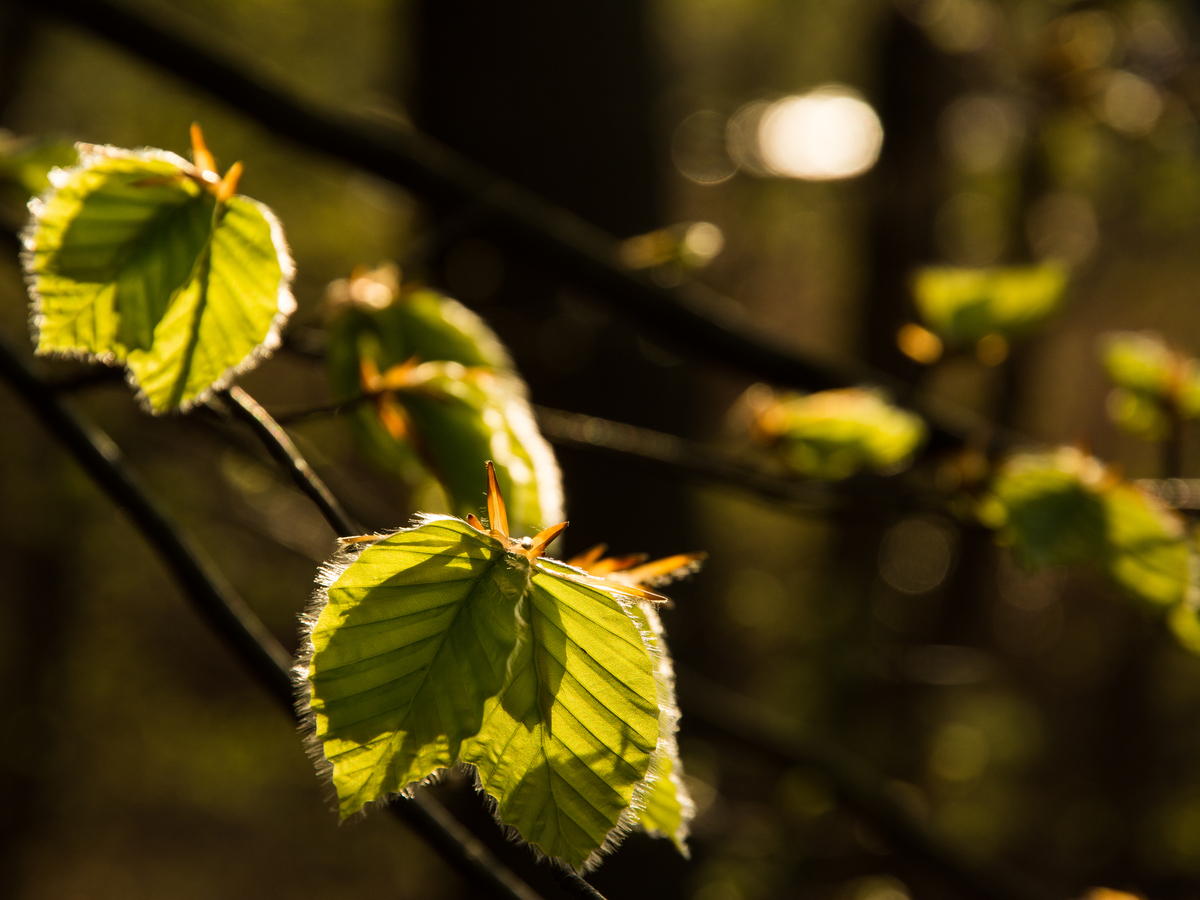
[827,134]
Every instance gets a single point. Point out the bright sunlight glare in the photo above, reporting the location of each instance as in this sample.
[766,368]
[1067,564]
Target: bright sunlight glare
[826,134]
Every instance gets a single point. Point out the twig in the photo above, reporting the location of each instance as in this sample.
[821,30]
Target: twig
[694,319]
[228,615]
[284,452]
[720,710]
[682,456]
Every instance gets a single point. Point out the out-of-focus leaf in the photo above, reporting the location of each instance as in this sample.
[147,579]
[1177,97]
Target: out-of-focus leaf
[834,434]
[1147,552]
[1139,362]
[25,165]
[458,404]
[132,258]
[1065,507]
[1138,414]
[965,305]
[1152,382]
[450,643]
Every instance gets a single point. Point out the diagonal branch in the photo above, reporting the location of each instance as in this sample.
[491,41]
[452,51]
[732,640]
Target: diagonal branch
[227,614]
[693,319]
[717,709]
[284,452]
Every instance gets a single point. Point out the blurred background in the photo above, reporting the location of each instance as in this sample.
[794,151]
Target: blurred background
[806,158]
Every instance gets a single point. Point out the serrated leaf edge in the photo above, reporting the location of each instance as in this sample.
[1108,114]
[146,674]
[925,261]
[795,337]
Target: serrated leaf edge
[89,154]
[664,679]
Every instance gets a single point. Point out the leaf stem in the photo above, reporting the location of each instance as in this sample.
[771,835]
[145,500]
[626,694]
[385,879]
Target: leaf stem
[227,614]
[284,452]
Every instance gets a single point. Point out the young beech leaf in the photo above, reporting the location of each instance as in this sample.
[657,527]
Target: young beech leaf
[668,808]
[834,434]
[142,258]
[453,643]
[444,397]
[1065,507]
[415,635]
[566,746]
[964,305]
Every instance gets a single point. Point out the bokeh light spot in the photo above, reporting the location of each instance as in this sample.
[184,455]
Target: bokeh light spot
[827,134]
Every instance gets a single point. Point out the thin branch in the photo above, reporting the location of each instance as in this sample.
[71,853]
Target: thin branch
[693,319]
[681,456]
[284,452]
[227,614]
[710,706]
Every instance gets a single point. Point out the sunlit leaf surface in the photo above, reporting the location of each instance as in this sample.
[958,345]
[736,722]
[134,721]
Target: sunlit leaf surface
[415,635]
[570,738]
[132,259]
[965,305]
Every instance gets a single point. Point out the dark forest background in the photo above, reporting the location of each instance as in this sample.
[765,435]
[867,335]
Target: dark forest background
[1043,721]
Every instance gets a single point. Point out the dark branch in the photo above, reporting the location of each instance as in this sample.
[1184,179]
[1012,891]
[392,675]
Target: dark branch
[284,452]
[693,319]
[217,603]
[681,456]
[228,615]
[707,705]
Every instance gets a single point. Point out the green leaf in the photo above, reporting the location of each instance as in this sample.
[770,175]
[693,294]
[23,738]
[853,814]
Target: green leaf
[462,406]
[1147,554]
[411,638]
[1138,362]
[1150,380]
[964,305]
[442,644]
[131,259]
[1064,507]
[25,165]
[834,434]
[1047,509]
[668,809]
[566,746]
[1142,415]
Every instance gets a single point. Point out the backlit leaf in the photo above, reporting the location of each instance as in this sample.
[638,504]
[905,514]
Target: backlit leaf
[568,742]
[458,404]
[834,434]
[965,305]
[132,259]
[1065,507]
[414,634]
[451,643]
